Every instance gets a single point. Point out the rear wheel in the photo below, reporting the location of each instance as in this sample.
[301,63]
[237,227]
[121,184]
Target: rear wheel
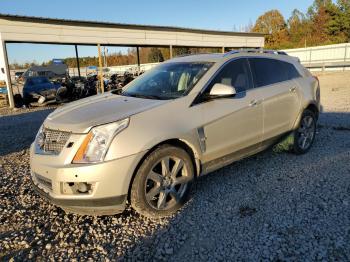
[304,136]
[163,182]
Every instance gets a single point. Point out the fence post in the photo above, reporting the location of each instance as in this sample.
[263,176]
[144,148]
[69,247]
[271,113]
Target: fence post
[310,55]
[345,54]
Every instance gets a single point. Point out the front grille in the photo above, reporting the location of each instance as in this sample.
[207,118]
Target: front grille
[54,141]
[45,182]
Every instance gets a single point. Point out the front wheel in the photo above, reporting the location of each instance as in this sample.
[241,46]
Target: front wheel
[163,182]
[304,136]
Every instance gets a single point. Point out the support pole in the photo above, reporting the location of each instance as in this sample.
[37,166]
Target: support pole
[106,56]
[4,69]
[171,51]
[138,59]
[77,57]
[223,50]
[100,69]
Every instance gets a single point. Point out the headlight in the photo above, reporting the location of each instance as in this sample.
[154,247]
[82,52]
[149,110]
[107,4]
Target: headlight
[39,140]
[95,145]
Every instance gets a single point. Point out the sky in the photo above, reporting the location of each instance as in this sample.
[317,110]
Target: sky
[224,15]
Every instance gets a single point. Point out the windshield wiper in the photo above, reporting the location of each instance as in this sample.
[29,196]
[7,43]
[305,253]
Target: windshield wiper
[146,96]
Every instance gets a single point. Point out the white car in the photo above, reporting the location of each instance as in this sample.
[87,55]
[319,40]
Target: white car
[184,118]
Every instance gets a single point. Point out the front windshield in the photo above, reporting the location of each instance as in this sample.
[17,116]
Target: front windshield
[167,81]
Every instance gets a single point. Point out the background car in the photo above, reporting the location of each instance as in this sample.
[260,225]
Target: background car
[18,76]
[40,87]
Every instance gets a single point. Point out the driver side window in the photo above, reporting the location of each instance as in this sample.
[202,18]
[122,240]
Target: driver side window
[236,74]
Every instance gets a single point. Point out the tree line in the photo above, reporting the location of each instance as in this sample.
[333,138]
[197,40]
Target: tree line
[325,22]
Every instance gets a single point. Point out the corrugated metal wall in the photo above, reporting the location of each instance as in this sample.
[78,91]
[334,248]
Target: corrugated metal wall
[323,54]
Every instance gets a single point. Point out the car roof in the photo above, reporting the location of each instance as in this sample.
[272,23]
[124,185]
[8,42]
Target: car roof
[216,57]
[222,57]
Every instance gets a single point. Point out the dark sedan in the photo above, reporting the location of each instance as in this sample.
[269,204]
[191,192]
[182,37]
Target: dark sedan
[39,89]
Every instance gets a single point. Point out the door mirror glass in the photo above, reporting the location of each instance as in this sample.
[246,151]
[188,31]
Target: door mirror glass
[221,90]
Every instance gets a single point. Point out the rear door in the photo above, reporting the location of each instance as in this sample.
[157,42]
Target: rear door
[280,94]
[232,124]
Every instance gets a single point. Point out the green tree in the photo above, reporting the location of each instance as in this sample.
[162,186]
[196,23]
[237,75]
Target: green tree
[272,24]
[344,7]
[299,28]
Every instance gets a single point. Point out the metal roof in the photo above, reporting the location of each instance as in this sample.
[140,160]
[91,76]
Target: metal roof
[120,25]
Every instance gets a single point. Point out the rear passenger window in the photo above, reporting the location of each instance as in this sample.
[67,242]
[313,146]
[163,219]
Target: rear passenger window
[290,69]
[270,71]
[236,74]
[267,71]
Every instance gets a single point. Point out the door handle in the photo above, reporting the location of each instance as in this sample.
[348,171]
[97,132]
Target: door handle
[292,89]
[254,102]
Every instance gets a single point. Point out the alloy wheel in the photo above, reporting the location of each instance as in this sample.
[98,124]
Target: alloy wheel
[306,132]
[166,183]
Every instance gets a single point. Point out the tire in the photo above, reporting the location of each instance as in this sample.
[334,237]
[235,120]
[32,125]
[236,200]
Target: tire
[61,94]
[18,99]
[304,136]
[156,191]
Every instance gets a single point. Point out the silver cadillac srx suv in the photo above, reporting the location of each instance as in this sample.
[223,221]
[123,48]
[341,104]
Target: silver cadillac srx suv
[185,118]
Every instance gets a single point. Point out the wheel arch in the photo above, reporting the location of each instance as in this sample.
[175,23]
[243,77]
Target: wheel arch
[173,142]
[312,107]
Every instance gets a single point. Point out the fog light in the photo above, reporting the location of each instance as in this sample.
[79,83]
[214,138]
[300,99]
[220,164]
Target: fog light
[83,187]
[76,188]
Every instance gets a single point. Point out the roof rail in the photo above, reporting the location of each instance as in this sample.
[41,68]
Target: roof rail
[258,50]
[232,52]
[202,53]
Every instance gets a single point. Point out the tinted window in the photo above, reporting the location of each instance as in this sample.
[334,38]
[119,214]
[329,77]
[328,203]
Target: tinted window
[270,71]
[290,69]
[235,74]
[267,71]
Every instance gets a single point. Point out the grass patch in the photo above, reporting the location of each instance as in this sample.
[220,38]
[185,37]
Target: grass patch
[285,145]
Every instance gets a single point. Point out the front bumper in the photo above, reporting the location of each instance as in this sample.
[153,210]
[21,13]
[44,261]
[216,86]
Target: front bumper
[100,206]
[110,183]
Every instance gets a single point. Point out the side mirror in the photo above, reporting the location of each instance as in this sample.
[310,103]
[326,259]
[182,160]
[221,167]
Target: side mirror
[221,90]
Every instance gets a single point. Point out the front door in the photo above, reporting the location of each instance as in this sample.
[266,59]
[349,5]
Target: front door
[233,125]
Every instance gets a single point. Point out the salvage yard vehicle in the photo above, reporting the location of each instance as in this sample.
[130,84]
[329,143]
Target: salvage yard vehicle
[118,81]
[50,71]
[18,75]
[75,88]
[184,118]
[39,89]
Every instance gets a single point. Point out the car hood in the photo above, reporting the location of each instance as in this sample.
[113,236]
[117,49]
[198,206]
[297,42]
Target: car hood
[81,116]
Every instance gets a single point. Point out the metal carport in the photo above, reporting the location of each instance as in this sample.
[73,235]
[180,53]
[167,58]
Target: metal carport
[25,29]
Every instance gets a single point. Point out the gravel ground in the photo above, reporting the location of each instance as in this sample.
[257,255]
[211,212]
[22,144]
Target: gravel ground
[273,206]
